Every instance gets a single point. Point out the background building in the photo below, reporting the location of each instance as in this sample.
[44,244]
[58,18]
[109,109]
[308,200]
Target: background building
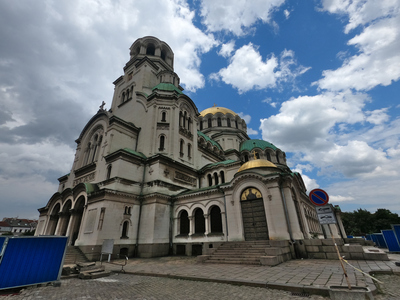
[158,177]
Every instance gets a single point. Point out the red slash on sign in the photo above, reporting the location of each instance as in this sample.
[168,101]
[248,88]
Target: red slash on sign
[318,197]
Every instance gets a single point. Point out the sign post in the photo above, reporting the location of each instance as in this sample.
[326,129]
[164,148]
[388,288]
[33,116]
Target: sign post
[326,215]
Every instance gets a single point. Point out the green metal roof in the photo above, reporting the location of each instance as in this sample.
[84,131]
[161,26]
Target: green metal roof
[251,144]
[208,139]
[140,154]
[225,162]
[167,87]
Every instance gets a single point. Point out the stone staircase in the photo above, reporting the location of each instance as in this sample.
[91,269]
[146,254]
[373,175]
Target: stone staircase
[74,255]
[246,252]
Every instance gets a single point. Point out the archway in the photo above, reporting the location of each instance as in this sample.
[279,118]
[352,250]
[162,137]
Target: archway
[77,213]
[54,217]
[253,214]
[65,216]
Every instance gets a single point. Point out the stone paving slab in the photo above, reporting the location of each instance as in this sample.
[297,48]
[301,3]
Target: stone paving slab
[306,275]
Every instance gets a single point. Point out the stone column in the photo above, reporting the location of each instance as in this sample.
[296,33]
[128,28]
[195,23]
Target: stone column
[191,226]
[207,223]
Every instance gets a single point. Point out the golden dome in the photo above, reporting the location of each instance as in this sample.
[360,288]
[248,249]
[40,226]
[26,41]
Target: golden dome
[216,109]
[256,163]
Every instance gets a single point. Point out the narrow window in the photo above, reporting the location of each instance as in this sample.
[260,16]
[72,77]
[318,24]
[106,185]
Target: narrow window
[216,178]
[222,176]
[125,230]
[229,122]
[209,123]
[184,119]
[268,156]
[246,158]
[257,155]
[201,125]
[236,124]
[94,149]
[101,219]
[189,149]
[277,158]
[163,55]
[163,116]
[209,180]
[181,148]
[184,224]
[189,122]
[180,119]
[109,168]
[219,122]
[162,143]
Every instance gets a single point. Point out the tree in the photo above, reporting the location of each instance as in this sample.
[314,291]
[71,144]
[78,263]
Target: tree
[361,222]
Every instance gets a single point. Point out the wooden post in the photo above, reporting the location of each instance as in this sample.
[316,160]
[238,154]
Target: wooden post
[340,258]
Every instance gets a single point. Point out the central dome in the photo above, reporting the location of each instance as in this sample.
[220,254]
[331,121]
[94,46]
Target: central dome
[216,109]
[256,163]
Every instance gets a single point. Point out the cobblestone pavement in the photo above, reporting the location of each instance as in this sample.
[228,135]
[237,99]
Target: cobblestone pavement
[127,286]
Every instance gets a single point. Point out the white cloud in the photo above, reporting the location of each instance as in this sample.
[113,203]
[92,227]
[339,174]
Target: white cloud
[227,49]
[286,13]
[246,118]
[377,116]
[237,16]
[248,71]
[251,131]
[378,60]
[269,101]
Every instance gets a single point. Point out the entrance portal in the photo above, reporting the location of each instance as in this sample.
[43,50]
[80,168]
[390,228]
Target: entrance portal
[253,213]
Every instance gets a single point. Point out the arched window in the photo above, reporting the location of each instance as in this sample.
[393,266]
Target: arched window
[229,122]
[162,143]
[163,55]
[236,124]
[277,158]
[163,116]
[129,210]
[216,220]
[219,122]
[180,119]
[150,49]
[123,97]
[189,122]
[184,224]
[127,95]
[209,180]
[199,221]
[209,123]
[189,149]
[246,158]
[125,227]
[201,125]
[109,168]
[222,176]
[268,156]
[216,178]
[257,155]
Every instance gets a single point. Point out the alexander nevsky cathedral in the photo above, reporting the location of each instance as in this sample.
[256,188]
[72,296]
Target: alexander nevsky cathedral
[158,177]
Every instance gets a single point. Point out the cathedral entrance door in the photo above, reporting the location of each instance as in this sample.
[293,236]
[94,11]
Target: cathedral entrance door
[253,213]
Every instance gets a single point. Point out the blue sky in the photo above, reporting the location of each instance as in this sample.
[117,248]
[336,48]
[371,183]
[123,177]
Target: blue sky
[318,79]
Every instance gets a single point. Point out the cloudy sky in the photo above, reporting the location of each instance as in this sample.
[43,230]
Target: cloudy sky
[318,79]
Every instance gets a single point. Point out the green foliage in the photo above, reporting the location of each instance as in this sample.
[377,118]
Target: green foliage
[361,222]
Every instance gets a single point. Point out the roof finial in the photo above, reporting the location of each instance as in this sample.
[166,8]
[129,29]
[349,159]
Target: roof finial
[254,153]
[214,105]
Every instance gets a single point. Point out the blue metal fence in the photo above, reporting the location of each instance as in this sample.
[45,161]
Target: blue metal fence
[396,229]
[380,241]
[391,240]
[32,260]
[2,240]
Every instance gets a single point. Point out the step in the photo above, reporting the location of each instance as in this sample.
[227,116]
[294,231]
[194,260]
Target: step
[232,262]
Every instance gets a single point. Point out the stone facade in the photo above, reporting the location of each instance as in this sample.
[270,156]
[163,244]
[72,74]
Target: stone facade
[158,177]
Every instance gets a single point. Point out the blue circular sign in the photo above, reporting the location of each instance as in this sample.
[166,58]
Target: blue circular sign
[318,197]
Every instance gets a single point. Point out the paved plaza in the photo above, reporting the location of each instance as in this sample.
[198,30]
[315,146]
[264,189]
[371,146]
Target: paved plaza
[184,278]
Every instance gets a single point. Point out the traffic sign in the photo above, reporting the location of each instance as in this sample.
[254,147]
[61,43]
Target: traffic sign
[319,197]
[328,218]
[324,209]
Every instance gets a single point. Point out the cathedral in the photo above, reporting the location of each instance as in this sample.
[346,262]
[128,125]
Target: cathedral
[158,177]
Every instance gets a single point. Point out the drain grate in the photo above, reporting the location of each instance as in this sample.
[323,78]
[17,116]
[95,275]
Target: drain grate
[305,295]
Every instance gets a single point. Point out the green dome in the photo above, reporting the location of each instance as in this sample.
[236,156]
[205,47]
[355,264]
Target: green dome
[251,144]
